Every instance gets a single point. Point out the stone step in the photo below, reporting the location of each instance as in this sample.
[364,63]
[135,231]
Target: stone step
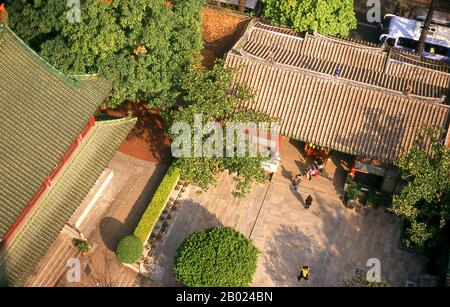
[126,278]
[57,264]
[60,266]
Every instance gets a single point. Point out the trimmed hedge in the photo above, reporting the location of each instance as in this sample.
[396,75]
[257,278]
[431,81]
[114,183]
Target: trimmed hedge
[129,249]
[216,257]
[154,209]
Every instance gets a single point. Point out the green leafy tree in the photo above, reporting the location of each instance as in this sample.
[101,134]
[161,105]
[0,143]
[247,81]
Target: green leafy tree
[142,46]
[425,201]
[129,249]
[329,17]
[207,93]
[216,257]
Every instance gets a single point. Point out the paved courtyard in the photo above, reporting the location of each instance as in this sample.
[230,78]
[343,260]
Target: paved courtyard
[331,239]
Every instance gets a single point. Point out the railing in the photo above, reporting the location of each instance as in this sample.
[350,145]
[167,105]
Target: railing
[46,185]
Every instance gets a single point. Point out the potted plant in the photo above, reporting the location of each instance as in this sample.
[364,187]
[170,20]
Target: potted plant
[352,193]
[83,247]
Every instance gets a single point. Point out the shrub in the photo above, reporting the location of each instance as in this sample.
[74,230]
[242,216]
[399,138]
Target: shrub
[83,246]
[216,257]
[129,249]
[156,206]
[352,191]
[379,199]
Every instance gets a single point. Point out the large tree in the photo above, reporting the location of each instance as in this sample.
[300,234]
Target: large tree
[425,201]
[426,28]
[329,17]
[207,93]
[143,46]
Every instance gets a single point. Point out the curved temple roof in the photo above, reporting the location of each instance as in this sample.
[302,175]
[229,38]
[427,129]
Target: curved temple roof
[363,111]
[42,112]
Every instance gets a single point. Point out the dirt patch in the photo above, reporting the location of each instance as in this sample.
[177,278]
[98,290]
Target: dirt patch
[221,30]
[147,140]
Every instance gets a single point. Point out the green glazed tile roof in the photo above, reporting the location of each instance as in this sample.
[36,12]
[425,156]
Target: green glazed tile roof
[67,193]
[42,111]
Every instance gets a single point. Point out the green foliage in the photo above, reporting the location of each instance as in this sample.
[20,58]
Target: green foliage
[425,201]
[83,246]
[352,191]
[216,257]
[207,93]
[154,209]
[108,38]
[329,17]
[129,249]
[378,199]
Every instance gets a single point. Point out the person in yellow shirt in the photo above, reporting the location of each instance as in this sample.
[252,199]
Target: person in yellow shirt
[304,273]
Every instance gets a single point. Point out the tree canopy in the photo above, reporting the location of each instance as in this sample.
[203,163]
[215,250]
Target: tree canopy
[329,17]
[207,93]
[425,201]
[129,249]
[143,46]
[216,257]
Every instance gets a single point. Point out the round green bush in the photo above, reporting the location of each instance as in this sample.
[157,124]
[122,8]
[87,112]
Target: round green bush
[216,257]
[129,249]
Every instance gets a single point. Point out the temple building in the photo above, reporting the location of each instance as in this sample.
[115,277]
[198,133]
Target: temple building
[341,95]
[52,151]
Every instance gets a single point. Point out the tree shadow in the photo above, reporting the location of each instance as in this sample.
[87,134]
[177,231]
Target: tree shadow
[144,198]
[190,217]
[111,230]
[382,134]
[147,140]
[289,249]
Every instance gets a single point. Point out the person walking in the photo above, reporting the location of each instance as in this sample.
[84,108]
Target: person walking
[297,180]
[304,273]
[308,201]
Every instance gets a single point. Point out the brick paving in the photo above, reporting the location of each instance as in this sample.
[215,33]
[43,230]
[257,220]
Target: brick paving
[333,240]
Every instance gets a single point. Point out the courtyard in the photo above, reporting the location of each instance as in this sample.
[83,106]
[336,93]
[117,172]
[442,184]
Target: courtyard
[332,239]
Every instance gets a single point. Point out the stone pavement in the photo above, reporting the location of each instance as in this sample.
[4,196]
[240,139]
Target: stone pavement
[128,198]
[333,240]
[217,207]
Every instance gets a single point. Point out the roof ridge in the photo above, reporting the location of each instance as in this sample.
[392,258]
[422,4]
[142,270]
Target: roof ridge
[66,78]
[115,122]
[313,73]
[410,56]
[349,41]
[357,44]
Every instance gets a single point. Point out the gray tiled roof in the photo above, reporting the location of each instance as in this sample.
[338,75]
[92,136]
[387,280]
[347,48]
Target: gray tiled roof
[294,80]
[42,113]
[357,62]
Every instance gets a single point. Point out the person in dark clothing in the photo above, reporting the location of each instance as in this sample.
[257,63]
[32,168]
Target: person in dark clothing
[297,181]
[308,201]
